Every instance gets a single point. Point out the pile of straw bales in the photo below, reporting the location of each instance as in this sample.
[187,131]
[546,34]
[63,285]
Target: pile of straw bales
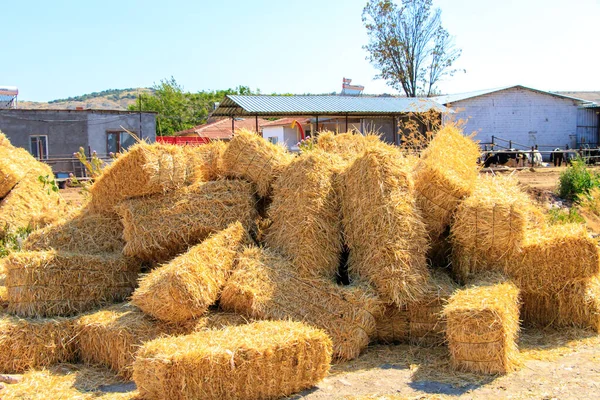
[230,258]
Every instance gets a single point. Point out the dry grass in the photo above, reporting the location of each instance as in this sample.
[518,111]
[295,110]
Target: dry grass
[382,226]
[158,228]
[392,325]
[14,164]
[185,287]
[34,343]
[144,169]
[347,145]
[482,326]
[204,162]
[249,156]
[262,360]
[265,285]
[51,283]
[305,215]
[446,174]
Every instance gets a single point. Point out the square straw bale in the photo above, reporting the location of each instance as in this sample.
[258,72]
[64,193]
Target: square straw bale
[52,283]
[392,325]
[31,203]
[249,156]
[482,324]
[14,164]
[185,287]
[553,257]
[85,230]
[305,215]
[265,285]
[348,145]
[446,173]
[262,360]
[426,323]
[159,227]
[382,226]
[34,343]
[144,169]
[112,336]
[490,226]
[204,162]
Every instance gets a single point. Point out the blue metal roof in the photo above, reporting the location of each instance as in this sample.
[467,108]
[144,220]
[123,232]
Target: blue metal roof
[452,98]
[322,105]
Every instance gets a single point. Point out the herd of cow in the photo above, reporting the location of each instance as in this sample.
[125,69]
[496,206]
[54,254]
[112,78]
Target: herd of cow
[521,158]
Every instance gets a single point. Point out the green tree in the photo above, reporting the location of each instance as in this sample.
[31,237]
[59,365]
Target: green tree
[408,45]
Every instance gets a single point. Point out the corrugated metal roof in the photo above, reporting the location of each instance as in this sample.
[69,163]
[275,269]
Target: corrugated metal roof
[452,98]
[322,105]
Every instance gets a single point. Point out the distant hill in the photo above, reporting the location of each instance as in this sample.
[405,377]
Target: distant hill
[112,99]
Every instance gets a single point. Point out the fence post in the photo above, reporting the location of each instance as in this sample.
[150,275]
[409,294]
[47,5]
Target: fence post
[510,144]
[532,156]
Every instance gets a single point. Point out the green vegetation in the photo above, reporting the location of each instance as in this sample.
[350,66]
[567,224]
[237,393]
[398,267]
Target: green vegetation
[49,183]
[13,241]
[112,94]
[577,181]
[560,216]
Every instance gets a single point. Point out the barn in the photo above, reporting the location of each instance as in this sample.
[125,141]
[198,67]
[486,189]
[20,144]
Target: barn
[522,117]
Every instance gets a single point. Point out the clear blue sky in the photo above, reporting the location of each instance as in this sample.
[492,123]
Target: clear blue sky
[56,49]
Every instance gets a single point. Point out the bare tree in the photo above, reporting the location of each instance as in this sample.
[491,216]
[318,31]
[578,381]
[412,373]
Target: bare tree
[408,45]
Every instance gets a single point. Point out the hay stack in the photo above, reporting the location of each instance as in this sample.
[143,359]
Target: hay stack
[382,227]
[159,227]
[31,203]
[144,169]
[204,161]
[446,174]
[95,233]
[251,157]
[112,336]
[14,164]
[490,226]
[554,257]
[305,215]
[3,291]
[392,325]
[51,283]
[262,360]
[482,326]
[266,286]
[347,145]
[35,343]
[185,287]
[427,326]
[4,140]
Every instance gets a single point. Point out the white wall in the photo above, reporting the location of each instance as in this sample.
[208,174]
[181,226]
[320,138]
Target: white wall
[514,114]
[274,131]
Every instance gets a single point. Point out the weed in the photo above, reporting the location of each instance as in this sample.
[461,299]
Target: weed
[577,180]
[557,216]
[13,241]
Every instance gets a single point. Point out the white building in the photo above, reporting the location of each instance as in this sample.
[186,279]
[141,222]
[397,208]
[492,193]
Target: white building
[521,117]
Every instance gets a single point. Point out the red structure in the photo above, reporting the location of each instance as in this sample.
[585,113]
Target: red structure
[183,140]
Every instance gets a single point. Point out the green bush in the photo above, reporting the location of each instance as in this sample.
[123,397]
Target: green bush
[13,241]
[577,180]
[559,216]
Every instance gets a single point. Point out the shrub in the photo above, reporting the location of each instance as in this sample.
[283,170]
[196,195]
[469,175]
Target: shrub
[577,180]
[559,216]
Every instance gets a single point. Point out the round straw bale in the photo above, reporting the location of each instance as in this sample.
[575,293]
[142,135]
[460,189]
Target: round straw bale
[262,360]
[204,162]
[482,324]
[382,226]
[305,215]
[445,174]
[35,343]
[185,287]
[14,164]
[249,156]
[51,283]
[144,169]
[265,285]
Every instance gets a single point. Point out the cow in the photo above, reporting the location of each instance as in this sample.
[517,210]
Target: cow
[511,156]
[556,157]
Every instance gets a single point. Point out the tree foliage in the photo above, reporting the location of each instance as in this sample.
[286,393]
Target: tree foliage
[408,45]
[179,110]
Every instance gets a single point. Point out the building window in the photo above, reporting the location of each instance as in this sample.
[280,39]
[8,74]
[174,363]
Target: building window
[273,139]
[118,141]
[38,146]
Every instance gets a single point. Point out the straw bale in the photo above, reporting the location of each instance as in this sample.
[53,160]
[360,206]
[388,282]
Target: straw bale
[490,226]
[204,161]
[249,156]
[85,230]
[31,203]
[392,325]
[159,227]
[482,324]
[265,285]
[185,287]
[446,173]
[144,169]
[31,343]
[4,140]
[51,283]
[113,335]
[14,164]
[347,145]
[426,324]
[305,215]
[3,291]
[262,360]
[382,226]
[554,257]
